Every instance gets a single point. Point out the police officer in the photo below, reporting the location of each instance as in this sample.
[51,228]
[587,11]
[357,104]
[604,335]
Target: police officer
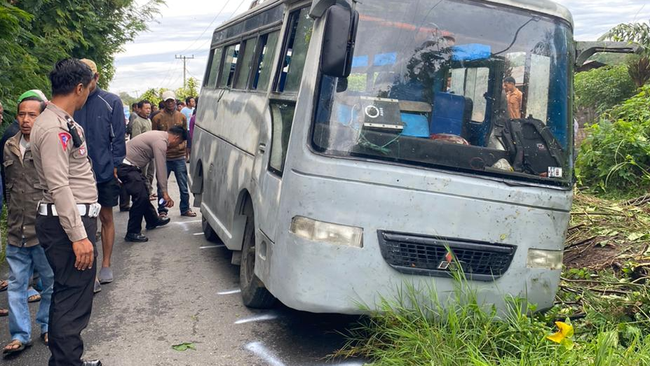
[66,224]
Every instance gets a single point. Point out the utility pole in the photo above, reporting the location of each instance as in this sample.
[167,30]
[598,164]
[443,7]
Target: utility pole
[184,58]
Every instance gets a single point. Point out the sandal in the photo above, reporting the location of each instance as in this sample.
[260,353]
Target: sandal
[45,338]
[34,298]
[4,312]
[11,348]
[4,285]
[189,213]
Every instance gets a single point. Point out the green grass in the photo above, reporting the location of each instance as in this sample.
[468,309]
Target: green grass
[408,331]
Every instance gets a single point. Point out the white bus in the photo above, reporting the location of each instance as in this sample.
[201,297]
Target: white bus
[344,148]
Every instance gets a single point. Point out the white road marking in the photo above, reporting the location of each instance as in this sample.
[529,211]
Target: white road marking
[197,234]
[187,222]
[212,246]
[264,353]
[229,292]
[257,318]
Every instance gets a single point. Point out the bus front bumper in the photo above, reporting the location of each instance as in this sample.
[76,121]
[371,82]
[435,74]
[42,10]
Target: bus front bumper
[324,278]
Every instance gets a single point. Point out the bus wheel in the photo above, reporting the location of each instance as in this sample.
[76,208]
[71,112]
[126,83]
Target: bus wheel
[254,293]
[208,232]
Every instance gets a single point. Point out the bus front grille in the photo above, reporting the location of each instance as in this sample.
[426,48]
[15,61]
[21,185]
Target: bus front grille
[441,257]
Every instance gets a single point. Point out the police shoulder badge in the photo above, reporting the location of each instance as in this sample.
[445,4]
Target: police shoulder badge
[65,138]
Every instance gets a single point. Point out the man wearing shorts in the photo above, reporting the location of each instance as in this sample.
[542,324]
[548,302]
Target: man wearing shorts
[102,117]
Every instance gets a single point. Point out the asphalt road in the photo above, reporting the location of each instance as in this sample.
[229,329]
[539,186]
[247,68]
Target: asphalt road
[179,288]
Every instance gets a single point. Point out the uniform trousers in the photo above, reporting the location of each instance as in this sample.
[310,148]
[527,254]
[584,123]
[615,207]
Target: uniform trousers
[72,299]
[135,183]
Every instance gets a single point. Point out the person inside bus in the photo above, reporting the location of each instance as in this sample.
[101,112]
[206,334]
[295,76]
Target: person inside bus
[514,97]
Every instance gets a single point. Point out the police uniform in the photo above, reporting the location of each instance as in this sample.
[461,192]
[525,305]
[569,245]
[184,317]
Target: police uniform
[67,213]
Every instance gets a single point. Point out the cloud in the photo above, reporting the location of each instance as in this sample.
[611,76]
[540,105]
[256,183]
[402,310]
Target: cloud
[185,28]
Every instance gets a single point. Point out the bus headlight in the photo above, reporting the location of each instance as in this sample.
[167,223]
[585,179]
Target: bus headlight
[545,259]
[325,232]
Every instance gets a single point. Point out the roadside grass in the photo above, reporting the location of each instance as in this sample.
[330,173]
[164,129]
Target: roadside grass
[408,332]
[603,297]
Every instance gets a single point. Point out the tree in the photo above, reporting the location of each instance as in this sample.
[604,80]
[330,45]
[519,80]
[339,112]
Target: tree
[602,89]
[153,95]
[189,90]
[639,66]
[34,34]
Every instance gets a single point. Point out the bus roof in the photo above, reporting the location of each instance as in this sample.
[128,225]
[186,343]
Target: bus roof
[540,6]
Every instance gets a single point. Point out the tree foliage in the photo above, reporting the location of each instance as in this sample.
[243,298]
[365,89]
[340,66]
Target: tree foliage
[189,90]
[603,88]
[34,34]
[639,67]
[615,158]
[155,95]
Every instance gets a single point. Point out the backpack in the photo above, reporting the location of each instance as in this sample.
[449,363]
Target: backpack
[533,148]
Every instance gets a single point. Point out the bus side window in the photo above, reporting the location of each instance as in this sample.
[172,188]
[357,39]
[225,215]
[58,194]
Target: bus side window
[295,52]
[282,118]
[229,65]
[246,62]
[268,44]
[215,63]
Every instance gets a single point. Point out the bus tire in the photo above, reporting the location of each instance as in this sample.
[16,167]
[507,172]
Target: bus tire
[208,232]
[254,293]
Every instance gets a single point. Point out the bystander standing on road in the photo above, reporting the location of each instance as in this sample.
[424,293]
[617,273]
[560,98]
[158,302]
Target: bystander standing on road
[142,124]
[188,111]
[23,251]
[102,117]
[190,130]
[160,108]
[163,121]
[146,149]
[66,224]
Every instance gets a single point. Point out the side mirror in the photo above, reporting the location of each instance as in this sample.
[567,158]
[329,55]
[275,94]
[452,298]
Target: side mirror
[584,50]
[340,33]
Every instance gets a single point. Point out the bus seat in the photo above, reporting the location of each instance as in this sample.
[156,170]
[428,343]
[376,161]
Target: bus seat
[451,114]
[415,125]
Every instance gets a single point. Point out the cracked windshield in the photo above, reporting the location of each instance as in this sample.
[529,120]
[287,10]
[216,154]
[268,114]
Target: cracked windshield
[453,85]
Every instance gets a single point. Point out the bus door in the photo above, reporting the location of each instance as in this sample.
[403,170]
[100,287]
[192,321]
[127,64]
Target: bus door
[282,103]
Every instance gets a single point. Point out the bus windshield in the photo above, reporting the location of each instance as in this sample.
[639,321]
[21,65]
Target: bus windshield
[453,84]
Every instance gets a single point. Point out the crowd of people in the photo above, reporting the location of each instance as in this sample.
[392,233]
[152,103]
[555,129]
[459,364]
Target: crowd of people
[66,163]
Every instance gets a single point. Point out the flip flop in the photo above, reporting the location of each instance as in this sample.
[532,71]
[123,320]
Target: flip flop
[4,312]
[34,298]
[45,338]
[8,352]
[4,285]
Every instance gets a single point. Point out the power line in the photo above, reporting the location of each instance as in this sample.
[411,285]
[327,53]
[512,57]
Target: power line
[231,16]
[208,27]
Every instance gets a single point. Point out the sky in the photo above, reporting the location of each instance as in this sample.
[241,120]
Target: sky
[184,28]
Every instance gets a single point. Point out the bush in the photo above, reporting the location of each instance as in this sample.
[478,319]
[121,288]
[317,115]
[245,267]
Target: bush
[615,158]
[603,88]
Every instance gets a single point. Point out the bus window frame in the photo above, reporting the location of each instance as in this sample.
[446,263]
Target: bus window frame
[256,34]
[280,57]
[238,70]
[258,53]
[209,68]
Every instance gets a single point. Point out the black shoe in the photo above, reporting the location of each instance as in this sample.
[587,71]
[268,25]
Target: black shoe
[162,221]
[92,363]
[124,209]
[139,238]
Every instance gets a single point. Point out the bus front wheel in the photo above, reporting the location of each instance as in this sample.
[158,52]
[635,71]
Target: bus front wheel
[254,293]
[208,232]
